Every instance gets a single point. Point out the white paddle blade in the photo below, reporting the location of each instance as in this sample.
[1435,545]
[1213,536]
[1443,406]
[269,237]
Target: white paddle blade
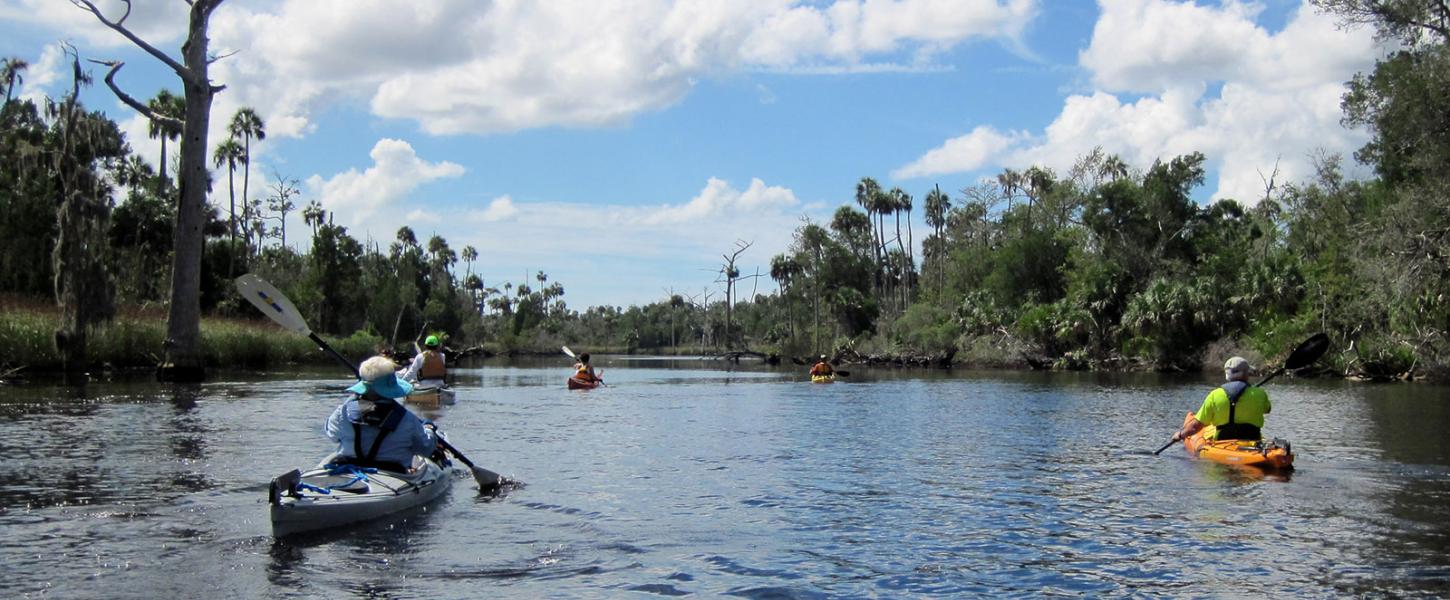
[272,303]
[569,352]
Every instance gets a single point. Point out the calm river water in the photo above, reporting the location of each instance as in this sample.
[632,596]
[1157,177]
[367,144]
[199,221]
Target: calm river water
[678,479]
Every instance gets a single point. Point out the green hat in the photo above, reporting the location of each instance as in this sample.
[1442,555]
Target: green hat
[431,342]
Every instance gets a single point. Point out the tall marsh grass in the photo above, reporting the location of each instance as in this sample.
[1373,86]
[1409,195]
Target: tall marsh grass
[134,339]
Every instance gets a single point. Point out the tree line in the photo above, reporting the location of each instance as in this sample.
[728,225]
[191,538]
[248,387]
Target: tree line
[1101,266]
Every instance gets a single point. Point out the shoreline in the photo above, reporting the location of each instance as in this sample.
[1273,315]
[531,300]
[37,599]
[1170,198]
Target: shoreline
[132,341]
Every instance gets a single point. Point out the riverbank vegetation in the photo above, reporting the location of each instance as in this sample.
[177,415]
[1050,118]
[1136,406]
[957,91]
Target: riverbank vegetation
[1101,266]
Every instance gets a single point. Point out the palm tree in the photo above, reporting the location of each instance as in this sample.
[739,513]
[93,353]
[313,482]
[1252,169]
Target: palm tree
[1037,182]
[1010,181]
[784,269]
[884,205]
[1114,168]
[169,105]
[867,192]
[937,205]
[132,172]
[314,216]
[10,72]
[406,237]
[474,285]
[676,302]
[247,125]
[855,228]
[229,154]
[469,255]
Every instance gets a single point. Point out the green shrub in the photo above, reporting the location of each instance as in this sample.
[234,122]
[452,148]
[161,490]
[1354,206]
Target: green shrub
[926,328]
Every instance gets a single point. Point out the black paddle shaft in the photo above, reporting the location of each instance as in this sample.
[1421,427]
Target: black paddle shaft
[340,358]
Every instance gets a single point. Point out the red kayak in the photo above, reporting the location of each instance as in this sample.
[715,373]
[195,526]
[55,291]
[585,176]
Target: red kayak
[582,384]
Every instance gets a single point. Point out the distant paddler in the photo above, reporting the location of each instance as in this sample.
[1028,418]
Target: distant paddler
[822,369]
[429,367]
[584,375]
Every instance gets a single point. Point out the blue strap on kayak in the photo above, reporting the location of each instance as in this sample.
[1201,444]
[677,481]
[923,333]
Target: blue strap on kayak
[358,474]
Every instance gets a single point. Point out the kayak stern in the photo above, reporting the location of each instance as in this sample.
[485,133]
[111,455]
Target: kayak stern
[1271,455]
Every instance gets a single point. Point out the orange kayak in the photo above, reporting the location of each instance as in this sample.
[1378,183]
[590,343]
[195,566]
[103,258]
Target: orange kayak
[1272,455]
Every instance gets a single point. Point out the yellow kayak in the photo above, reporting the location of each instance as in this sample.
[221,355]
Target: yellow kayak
[1273,455]
[823,378]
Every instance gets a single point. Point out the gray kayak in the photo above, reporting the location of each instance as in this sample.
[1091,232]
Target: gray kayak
[327,497]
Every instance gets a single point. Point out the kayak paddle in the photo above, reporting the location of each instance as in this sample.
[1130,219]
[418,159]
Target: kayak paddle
[1307,352]
[570,353]
[275,304]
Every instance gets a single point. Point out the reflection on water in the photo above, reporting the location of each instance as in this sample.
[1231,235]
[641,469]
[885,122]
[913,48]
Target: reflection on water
[685,478]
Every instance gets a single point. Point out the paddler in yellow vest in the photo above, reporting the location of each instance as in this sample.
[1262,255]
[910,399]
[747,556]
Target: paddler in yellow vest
[1234,411]
[583,371]
[429,367]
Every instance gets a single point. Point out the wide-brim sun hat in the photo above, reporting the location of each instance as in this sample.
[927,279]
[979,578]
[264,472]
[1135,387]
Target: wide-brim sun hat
[388,386]
[379,377]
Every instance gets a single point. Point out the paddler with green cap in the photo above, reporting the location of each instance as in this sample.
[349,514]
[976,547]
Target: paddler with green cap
[429,368]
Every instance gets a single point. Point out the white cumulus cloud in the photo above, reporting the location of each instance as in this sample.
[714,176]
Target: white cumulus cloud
[160,23]
[498,209]
[969,152]
[1156,64]
[719,199]
[397,170]
[462,66]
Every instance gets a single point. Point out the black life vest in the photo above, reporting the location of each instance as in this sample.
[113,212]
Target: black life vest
[1232,430]
[385,415]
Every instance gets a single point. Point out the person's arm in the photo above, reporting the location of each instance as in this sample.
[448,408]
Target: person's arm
[336,423]
[1205,412]
[424,440]
[410,374]
[1189,428]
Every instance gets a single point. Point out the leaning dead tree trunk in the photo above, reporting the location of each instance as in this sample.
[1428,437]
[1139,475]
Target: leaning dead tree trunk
[183,358]
[83,288]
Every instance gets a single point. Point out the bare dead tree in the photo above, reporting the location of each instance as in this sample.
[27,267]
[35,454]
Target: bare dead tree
[1269,181]
[730,274]
[183,357]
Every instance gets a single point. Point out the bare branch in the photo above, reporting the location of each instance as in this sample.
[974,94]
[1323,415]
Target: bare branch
[181,71]
[219,57]
[140,107]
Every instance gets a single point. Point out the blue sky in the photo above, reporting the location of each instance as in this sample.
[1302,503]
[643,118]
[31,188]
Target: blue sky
[623,146]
